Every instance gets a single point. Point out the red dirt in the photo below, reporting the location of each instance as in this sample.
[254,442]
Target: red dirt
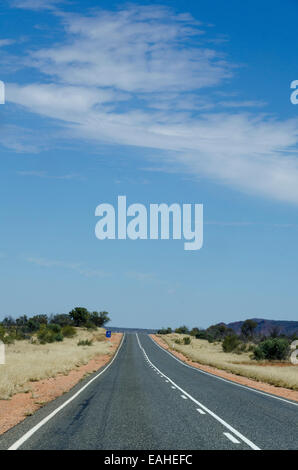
[16,409]
[264,387]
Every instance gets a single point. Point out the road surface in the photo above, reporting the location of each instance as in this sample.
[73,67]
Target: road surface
[148,400]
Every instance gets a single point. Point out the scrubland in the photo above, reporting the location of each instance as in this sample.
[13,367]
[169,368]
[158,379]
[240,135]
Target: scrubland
[281,374]
[29,361]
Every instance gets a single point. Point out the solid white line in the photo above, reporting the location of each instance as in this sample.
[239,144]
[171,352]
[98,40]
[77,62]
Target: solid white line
[232,438]
[201,411]
[32,431]
[221,378]
[215,416]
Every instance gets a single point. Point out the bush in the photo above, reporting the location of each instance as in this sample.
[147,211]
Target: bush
[164,331]
[49,334]
[61,319]
[54,328]
[68,331]
[230,343]
[186,340]
[182,330]
[85,342]
[272,349]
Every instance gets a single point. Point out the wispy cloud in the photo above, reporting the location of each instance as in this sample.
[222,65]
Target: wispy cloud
[151,278]
[140,76]
[36,4]
[242,104]
[6,42]
[44,174]
[247,224]
[77,267]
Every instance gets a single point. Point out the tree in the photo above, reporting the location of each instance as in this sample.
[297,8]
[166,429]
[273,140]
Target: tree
[22,321]
[61,319]
[275,332]
[248,327]
[99,318]
[34,323]
[8,322]
[80,316]
[164,331]
[182,330]
[230,343]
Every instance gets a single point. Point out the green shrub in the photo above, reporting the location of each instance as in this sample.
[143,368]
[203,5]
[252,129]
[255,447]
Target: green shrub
[272,349]
[186,340]
[85,342]
[230,343]
[49,334]
[9,339]
[68,331]
[178,341]
[54,328]
[90,326]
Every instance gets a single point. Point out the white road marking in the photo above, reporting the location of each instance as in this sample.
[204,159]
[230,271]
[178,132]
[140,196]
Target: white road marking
[215,416]
[201,411]
[185,398]
[232,438]
[32,431]
[173,387]
[221,378]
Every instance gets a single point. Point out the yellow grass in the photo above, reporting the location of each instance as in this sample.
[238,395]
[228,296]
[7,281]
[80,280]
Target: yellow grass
[241,364]
[30,362]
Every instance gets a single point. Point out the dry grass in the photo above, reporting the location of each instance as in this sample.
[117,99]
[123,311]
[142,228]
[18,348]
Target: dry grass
[211,354]
[27,362]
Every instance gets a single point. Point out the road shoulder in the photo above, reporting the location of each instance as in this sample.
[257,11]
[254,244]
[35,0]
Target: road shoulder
[261,386]
[22,405]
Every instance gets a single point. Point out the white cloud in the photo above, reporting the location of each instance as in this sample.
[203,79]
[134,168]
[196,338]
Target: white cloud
[84,271]
[139,49]
[44,174]
[35,4]
[6,42]
[242,104]
[138,76]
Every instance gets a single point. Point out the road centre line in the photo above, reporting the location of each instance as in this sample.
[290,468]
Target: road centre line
[215,416]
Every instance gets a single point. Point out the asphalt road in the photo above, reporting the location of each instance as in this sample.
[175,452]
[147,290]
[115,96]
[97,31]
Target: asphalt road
[148,400]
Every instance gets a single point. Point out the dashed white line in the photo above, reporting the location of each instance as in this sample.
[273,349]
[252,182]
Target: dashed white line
[200,371]
[201,411]
[183,396]
[232,438]
[215,416]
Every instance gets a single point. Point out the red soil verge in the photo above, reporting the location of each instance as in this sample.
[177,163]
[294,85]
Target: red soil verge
[264,387]
[16,409]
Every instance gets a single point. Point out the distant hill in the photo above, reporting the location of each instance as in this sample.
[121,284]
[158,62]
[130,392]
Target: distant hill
[265,327]
[118,329]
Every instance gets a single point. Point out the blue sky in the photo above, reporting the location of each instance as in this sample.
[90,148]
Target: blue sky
[184,102]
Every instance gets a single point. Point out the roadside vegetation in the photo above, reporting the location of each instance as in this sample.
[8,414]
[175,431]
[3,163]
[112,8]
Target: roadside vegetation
[43,346]
[265,359]
[44,329]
